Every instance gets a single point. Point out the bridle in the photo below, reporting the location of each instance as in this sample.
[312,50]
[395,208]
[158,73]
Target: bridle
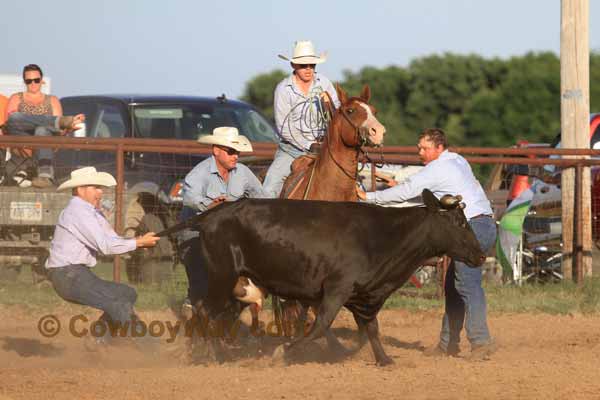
[361,138]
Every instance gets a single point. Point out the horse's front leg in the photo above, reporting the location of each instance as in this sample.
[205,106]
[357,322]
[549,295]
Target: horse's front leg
[333,300]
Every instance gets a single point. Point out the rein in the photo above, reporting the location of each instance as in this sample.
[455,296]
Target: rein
[310,179]
[359,139]
[341,166]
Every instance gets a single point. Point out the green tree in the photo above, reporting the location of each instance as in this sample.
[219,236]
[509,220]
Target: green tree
[477,101]
[526,104]
[260,89]
[441,87]
[389,92]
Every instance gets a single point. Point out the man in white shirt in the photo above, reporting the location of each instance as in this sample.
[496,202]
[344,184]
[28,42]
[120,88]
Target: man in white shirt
[446,172]
[298,111]
[82,232]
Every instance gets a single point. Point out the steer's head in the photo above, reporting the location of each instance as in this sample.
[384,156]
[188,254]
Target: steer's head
[451,233]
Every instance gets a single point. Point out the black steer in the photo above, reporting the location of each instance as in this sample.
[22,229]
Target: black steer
[327,254]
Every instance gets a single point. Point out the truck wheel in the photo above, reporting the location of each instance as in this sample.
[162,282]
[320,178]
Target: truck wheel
[151,265]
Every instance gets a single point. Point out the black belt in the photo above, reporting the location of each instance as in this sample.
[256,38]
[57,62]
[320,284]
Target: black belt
[483,215]
[294,146]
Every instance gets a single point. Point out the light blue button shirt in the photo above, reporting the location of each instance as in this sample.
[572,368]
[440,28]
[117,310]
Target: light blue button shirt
[203,184]
[298,117]
[81,233]
[450,174]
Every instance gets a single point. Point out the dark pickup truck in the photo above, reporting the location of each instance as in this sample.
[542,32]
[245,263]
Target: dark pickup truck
[152,180]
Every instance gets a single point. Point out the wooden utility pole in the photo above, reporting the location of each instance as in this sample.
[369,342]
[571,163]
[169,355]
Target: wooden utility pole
[575,123]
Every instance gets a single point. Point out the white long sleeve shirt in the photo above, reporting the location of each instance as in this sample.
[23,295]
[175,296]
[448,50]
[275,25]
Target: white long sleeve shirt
[450,174]
[297,116]
[81,233]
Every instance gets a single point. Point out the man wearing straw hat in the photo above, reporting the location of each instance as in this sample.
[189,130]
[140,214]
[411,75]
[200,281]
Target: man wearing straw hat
[299,115]
[82,232]
[217,179]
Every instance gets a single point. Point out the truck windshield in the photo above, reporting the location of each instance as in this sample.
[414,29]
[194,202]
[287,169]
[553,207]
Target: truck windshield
[190,121]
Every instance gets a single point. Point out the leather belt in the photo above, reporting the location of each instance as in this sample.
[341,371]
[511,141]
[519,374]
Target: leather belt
[482,215]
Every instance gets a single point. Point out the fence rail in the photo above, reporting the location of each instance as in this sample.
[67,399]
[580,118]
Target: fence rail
[565,158]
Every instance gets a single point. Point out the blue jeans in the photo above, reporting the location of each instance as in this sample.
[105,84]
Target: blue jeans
[465,299]
[189,249]
[21,124]
[195,269]
[78,284]
[280,169]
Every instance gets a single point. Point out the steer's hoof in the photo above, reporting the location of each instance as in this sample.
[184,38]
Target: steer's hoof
[339,351]
[385,361]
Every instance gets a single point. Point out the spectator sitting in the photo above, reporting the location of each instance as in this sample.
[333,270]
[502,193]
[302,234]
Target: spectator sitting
[37,114]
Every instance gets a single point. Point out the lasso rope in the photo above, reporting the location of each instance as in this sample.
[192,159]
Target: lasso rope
[311,122]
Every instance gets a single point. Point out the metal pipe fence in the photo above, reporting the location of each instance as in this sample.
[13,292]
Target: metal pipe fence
[121,151]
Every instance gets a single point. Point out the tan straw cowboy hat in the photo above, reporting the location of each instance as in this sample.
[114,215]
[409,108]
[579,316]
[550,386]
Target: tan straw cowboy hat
[227,136]
[88,176]
[304,53]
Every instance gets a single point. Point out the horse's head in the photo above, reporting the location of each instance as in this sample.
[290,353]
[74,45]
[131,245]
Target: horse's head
[359,124]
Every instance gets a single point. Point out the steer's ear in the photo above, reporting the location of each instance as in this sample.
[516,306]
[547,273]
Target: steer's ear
[431,202]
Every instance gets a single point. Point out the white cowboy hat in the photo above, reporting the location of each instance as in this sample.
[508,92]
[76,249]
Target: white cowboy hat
[227,136]
[304,53]
[88,176]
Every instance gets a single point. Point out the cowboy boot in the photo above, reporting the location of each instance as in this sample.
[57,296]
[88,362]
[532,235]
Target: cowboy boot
[66,122]
[44,178]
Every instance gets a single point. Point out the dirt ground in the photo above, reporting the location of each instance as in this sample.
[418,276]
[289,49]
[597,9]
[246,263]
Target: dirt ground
[539,357]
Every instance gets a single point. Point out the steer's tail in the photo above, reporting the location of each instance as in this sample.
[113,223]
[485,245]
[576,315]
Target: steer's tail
[188,223]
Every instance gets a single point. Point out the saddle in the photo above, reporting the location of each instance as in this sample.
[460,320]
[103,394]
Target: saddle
[301,169]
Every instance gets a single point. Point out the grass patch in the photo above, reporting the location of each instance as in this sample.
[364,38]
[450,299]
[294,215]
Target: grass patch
[412,299]
[42,296]
[556,298]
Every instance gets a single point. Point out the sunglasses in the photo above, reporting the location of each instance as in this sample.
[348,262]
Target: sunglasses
[229,150]
[304,66]
[34,80]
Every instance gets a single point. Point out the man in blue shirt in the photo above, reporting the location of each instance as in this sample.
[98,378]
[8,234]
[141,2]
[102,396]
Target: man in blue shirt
[299,115]
[449,173]
[82,232]
[217,179]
